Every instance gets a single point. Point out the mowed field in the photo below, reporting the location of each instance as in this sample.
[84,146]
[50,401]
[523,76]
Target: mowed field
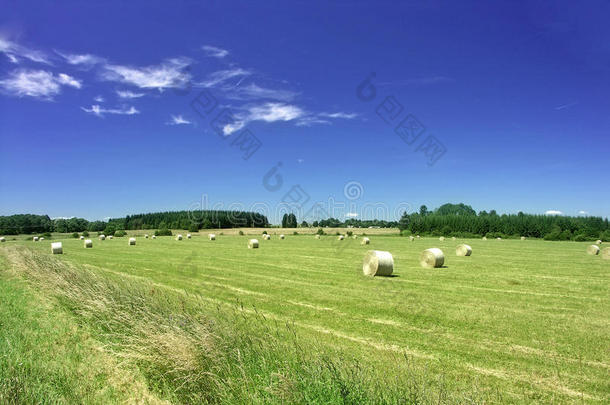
[518,321]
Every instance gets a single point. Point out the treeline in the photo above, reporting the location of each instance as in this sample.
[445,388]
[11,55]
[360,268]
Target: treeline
[462,220]
[356,223]
[191,220]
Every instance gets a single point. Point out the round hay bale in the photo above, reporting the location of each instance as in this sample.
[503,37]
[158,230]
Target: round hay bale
[523,238]
[340,237]
[499,238]
[378,263]
[598,242]
[132,241]
[2,239]
[212,236]
[81,237]
[317,236]
[282,236]
[41,238]
[35,238]
[431,258]
[442,239]
[88,243]
[463,250]
[266,237]
[453,238]
[365,241]
[154,237]
[606,253]
[145,236]
[57,248]
[484,238]
[593,250]
[179,237]
[102,237]
[355,237]
[110,237]
[417,236]
[253,244]
[188,236]
[411,238]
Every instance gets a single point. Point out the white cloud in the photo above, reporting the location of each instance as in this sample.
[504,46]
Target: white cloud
[37,83]
[351,215]
[99,99]
[310,120]
[344,115]
[169,74]
[69,80]
[553,212]
[222,76]
[581,212]
[271,112]
[128,94]
[100,111]
[12,50]
[253,91]
[86,60]
[178,120]
[214,51]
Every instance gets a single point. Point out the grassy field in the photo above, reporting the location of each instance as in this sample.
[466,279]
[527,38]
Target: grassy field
[296,321]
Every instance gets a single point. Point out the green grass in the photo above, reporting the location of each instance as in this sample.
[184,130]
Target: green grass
[518,321]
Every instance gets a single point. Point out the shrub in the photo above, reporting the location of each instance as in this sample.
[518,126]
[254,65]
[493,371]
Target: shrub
[350,233]
[46,234]
[338,233]
[264,232]
[295,233]
[580,238]
[241,233]
[163,232]
[193,228]
[85,234]
[75,235]
[405,232]
[120,233]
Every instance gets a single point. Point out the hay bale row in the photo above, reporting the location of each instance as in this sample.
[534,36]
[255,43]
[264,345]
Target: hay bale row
[253,244]
[57,248]
[88,243]
[593,250]
[132,241]
[431,258]
[378,263]
[463,250]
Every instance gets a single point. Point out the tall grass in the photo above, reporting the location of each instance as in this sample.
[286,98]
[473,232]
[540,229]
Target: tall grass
[191,352]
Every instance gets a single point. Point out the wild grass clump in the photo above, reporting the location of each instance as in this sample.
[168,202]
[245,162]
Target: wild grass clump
[191,349]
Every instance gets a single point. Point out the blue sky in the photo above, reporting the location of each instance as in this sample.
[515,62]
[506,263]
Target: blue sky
[509,103]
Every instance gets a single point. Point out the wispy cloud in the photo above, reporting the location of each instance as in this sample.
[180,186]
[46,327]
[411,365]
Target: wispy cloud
[553,212]
[37,83]
[221,76]
[128,94]
[169,74]
[255,92]
[310,120]
[564,106]
[344,115]
[69,80]
[214,52]
[15,51]
[84,60]
[582,212]
[267,112]
[100,111]
[99,99]
[178,120]
[420,81]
